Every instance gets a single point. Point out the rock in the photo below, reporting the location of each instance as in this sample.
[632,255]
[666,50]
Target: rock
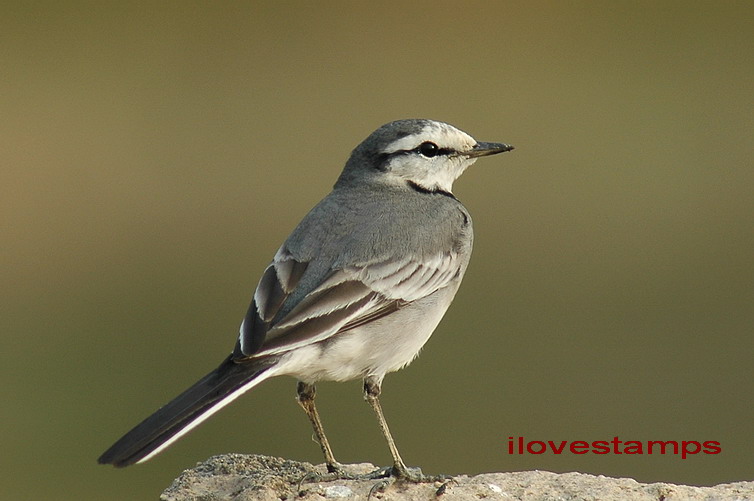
[239,477]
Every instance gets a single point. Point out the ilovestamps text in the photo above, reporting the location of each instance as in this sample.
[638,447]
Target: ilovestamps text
[683,448]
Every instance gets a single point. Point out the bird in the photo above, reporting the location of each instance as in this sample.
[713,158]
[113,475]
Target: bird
[354,292]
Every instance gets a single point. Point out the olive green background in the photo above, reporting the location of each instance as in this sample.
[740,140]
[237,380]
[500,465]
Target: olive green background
[154,156]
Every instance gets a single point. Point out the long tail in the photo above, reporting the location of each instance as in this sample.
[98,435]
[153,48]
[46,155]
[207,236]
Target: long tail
[211,393]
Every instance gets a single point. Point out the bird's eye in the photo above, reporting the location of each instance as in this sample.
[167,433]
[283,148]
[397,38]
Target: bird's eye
[428,149]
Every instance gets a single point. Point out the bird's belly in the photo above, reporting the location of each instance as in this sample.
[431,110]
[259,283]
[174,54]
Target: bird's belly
[385,345]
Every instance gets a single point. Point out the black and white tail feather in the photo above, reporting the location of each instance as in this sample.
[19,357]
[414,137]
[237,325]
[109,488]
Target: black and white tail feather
[189,409]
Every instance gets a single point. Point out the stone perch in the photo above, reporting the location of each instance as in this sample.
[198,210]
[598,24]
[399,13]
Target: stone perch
[240,477]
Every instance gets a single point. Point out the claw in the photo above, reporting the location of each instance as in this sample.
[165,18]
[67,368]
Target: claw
[378,487]
[444,487]
[312,476]
[379,473]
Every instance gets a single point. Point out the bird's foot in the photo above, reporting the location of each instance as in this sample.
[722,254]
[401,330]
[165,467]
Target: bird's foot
[335,471]
[414,475]
[402,473]
[386,476]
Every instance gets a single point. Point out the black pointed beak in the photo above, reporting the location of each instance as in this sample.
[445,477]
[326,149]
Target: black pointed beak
[484,149]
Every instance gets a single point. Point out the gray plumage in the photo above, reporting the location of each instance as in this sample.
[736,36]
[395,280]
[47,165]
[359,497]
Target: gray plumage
[356,289]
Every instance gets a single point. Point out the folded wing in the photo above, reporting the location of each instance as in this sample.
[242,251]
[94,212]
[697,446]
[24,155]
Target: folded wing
[347,298]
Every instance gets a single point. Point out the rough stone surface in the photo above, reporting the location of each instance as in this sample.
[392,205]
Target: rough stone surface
[239,477]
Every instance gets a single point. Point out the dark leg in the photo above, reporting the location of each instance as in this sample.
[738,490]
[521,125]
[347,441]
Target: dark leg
[305,396]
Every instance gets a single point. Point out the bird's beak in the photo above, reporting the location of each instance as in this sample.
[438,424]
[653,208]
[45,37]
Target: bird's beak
[484,149]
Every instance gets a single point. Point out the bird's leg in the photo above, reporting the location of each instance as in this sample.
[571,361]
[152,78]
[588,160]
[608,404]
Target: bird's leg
[372,390]
[305,394]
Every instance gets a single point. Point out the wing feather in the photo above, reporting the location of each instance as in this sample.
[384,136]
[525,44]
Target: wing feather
[345,299]
[278,281]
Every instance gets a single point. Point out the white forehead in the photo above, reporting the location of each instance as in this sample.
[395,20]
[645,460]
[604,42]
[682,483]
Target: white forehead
[442,134]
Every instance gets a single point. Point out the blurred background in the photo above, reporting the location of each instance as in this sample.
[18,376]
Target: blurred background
[153,157]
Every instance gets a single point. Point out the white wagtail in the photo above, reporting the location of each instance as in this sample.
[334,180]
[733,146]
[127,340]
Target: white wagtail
[354,292]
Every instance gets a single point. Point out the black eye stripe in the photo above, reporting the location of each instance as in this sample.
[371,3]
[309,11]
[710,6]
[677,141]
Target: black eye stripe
[423,149]
[439,151]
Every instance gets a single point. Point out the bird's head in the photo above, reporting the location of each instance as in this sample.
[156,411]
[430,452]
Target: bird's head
[426,154]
